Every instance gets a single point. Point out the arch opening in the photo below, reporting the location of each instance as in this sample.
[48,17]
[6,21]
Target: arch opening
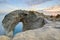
[18,28]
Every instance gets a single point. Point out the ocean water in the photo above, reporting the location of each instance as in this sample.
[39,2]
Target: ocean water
[2,31]
[18,27]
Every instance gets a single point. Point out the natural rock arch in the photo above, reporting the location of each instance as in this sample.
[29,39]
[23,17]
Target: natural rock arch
[31,20]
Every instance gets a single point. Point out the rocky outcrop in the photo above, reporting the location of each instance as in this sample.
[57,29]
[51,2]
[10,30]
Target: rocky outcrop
[31,20]
[53,18]
[4,38]
[48,32]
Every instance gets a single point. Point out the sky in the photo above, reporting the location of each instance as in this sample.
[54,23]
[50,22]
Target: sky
[10,5]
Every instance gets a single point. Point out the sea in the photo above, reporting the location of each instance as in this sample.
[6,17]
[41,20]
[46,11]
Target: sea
[18,28]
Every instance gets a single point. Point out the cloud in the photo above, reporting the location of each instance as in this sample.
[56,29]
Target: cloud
[7,8]
[3,1]
[35,2]
[47,4]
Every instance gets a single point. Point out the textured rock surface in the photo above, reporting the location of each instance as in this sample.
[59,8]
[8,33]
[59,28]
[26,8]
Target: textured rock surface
[4,38]
[31,20]
[52,18]
[48,32]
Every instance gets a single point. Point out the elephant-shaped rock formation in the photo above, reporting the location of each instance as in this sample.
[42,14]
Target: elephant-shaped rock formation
[30,19]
